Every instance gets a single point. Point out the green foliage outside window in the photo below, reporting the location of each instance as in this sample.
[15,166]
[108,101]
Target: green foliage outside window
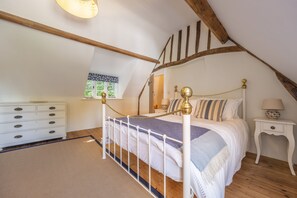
[111,90]
[99,87]
[89,89]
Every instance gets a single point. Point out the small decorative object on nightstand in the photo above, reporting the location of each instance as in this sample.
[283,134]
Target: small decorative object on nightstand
[272,106]
[165,103]
[275,127]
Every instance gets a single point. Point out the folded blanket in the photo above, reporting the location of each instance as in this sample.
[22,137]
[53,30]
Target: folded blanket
[208,153]
[208,149]
[171,129]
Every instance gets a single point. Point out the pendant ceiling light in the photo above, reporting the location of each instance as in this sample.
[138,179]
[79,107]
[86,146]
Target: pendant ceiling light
[80,8]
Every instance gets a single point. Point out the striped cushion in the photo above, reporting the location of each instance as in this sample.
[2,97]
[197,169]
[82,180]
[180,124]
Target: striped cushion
[175,104]
[211,109]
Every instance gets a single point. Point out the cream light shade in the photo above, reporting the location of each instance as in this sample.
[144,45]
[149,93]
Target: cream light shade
[80,8]
[165,101]
[272,104]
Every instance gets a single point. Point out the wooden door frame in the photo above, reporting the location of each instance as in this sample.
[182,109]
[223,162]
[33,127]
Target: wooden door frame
[151,94]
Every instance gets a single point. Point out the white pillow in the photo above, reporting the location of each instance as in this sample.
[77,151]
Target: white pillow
[231,109]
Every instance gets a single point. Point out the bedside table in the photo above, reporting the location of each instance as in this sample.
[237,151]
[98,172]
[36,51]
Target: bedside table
[275,127]
[160,111]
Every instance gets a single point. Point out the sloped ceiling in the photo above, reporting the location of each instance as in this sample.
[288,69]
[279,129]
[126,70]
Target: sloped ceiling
[139,26]
[38,66]
[267,28]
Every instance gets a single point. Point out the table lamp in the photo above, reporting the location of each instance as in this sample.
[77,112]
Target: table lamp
[165,103]
[272,106]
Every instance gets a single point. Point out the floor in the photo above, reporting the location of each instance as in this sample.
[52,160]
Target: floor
[271,178]
[72,169]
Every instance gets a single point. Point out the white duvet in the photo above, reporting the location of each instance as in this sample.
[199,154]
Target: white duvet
[234,132]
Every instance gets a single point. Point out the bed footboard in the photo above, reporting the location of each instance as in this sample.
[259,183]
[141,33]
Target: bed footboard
[131,134]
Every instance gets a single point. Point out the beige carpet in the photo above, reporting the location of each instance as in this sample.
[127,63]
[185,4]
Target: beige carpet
[69,169]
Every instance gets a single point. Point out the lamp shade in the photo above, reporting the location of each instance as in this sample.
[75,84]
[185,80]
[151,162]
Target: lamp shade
[165,101]
[80,8]
[272,104]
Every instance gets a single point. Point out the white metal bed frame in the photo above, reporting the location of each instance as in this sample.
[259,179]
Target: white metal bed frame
[186,109]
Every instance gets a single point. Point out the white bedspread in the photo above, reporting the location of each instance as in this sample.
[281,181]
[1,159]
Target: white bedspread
[234,132]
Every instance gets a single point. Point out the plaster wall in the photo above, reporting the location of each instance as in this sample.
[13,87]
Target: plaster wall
[216,73]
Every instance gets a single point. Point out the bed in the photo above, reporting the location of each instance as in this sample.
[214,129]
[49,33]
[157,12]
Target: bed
[148,144]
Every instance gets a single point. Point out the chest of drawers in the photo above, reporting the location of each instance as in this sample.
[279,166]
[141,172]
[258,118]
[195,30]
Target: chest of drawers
[22,123]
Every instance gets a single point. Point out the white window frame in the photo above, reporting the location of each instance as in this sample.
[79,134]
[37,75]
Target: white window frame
[94,90]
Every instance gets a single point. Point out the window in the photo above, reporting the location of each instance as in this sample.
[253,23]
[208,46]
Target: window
[98,83]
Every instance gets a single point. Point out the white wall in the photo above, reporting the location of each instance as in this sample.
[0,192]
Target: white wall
[221,72]
[36,66]
[86,114]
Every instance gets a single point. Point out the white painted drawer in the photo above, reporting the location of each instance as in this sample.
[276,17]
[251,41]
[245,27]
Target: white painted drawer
[51,132]
[50,123]
[273,127]
[16,137]
[22,137]
[51,115]
[17,117]
[17,126]
[51,107]
[15,109]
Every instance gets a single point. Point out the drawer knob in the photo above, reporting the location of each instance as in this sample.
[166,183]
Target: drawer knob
[18,136]
[272,127]
[18,126]
[18,109]
[52,122]
[52,114]
[51,132]
[18,117]
[52,108]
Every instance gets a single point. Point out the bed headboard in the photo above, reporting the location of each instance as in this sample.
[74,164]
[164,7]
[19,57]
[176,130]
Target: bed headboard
[224,94]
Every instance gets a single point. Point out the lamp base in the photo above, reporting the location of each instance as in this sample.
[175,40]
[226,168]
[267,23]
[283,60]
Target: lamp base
[164,107]
[272,114]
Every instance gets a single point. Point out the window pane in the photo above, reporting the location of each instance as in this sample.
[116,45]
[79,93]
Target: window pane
[89,89]
[99,87]
[111,90]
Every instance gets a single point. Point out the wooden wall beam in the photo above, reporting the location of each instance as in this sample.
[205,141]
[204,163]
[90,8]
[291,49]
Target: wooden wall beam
[200,54]
[207,15]
[171,47]
[179,44]
[198,29]
[164,56]
[187,41]
[208,40]
[44,28]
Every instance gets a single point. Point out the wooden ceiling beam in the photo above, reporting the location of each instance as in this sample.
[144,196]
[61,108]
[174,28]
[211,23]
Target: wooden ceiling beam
[207,15]
[219,50]
[44,28]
